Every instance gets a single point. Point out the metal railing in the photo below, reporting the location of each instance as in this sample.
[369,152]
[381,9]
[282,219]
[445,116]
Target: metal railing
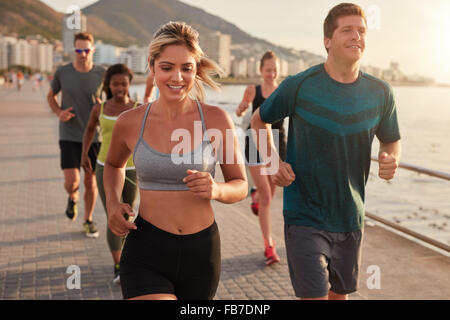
[432,173]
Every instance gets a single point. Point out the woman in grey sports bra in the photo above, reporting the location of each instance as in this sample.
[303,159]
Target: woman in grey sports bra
[172,250]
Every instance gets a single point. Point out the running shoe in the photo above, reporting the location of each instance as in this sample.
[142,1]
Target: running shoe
[71,210]
[116,279]
[90,229]
[254,206]
[271,255]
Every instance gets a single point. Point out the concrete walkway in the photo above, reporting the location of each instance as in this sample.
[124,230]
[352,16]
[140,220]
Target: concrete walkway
[38,243]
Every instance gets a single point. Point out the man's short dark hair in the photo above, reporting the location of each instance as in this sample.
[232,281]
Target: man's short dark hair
[341,10]
[84,36]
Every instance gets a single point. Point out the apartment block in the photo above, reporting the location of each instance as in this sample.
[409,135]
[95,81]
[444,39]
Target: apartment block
[217,47]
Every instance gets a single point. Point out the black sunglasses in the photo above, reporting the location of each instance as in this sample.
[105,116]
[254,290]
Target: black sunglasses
[83,50]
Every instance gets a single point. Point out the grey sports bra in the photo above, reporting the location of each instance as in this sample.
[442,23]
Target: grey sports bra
[165,171]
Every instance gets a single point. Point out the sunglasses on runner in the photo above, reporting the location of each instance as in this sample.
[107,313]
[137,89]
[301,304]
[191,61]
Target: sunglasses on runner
[83,50]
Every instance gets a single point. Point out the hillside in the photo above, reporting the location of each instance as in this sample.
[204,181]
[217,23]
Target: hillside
[143,18]
[27,17]
[138,22]
[112,21]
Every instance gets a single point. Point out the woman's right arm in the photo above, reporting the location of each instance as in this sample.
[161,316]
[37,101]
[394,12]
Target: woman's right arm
[88,136]
[249,95]
[114,179]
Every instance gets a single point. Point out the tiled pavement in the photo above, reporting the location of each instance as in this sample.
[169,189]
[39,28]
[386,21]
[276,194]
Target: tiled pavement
[38,243]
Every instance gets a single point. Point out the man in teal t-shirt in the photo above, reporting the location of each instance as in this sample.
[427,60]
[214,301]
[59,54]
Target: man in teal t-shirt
[334,111]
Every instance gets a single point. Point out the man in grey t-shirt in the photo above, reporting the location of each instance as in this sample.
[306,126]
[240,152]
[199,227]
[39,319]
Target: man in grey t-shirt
[80,85]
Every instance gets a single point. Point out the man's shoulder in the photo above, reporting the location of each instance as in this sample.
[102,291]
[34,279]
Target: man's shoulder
[387,88]
[99,69]
[68,67]
[298,78]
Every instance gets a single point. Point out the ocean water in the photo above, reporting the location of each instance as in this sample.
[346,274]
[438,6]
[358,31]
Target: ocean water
[416,201]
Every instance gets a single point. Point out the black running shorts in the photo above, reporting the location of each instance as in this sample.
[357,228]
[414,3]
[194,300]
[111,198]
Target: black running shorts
[155,261]
[71,154]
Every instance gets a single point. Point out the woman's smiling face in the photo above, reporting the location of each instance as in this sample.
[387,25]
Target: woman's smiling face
[175,70]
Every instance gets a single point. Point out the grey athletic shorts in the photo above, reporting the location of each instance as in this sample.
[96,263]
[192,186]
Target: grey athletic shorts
[320,261]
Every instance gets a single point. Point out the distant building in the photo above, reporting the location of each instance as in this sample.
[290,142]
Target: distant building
[135,58]
[139,60]
[125,58]
[72,24]
[41,57]
[253,67]
[217,47]
[284,68]
[5,51]
[295,66]
[20,53]
[58,53]
[374,71]
[239,68]
[34,54]
[393,73]
[3,55]
[105,54]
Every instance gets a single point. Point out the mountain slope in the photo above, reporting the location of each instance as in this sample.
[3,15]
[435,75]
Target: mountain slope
[26,17]
[124,23]
[137,23]
[143,18]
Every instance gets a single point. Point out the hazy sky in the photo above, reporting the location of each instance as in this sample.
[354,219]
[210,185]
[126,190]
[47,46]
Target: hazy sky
[414,33]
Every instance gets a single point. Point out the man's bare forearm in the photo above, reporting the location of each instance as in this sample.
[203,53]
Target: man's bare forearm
[53,103]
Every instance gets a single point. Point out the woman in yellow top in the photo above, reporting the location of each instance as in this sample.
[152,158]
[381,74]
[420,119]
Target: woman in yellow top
[116,84]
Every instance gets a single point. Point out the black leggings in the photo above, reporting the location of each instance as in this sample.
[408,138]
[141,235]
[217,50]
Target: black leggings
[155,261]
[128,196]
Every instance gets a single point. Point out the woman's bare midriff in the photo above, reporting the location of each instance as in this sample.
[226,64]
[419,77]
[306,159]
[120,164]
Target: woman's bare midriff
[177,212]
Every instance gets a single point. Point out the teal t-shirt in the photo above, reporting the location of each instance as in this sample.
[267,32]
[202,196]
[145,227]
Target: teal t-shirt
[331,129]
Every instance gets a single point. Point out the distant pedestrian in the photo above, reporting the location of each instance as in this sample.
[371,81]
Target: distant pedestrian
[264,192]
[334,111]
[20,80]
[5,80]
[35,81]
[80,85]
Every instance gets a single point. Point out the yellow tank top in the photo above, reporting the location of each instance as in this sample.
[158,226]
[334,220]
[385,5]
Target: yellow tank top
[106,128]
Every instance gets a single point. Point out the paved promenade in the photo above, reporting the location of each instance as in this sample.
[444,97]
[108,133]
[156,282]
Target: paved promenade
[38,243]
